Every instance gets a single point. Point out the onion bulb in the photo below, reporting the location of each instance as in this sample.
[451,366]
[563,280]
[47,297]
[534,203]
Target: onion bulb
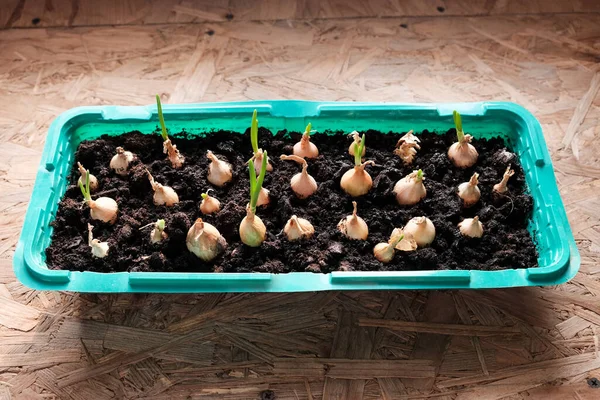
[501,187]
[99,249]
[355,142]
[410,189]
[103,208]
[462,153]
[158,233]
[305,148]
[298,228]
[258,156]
[205,241]
[263,198]
[384,252]
[252,229]
[209,204]
[176,158]
[421,229]
[471,227]
[357,181]
[353,226]
[469,191]
[163,194]
[120,161]
[219,172]
[302,183]
[82,179]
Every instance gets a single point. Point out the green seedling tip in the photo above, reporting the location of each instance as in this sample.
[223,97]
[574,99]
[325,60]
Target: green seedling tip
[160,224]
[307,130]
[458,124]
[398,240]
[254,133]
[85,190]
[161,118]
[358,150]
[204,195]
[419,175]
[256,183]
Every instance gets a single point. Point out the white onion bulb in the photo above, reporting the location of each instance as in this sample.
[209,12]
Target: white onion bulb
[298,228]
[356,181]
[353,226]
[471,227]
[410,189]
[469,191]
[263,197]
[99,249]
[205,241]
[258,156]
[103,209]
[384,252]
[120,161]
[163,194]
[355,142]
[252,230]
[305,148]
[462,153]
[209,204]
[219,172]
[421,229]
[501,187]
[83,177]
[302,183]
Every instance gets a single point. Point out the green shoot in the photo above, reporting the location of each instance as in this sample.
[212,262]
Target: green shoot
[358,149]
[254,133]
[204,195]
[307,130]
[419,177]
[256,183]
[160,224]
[161,118]
[460,134]
[85,190]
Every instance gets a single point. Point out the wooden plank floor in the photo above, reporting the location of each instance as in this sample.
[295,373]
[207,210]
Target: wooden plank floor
[535,343]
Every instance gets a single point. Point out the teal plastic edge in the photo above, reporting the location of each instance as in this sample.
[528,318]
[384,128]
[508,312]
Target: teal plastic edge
[31,270]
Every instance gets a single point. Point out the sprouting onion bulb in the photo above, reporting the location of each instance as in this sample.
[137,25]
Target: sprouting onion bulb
[83,177]
[355,144]
[252,230]
[263,198]
[407,147]
[120,161]
[257,153]
[410,189]
[421,229]
[305,148]
[163,195]
[384,252]
[471,227]
[158,233]
[103,208]
[219,172]
[174,156]
[501,187]
[462,153]
[353,226]
[209,204]
[302,183]
[99,249]
[298,228]
[469,191]
[205,241]
[357,181]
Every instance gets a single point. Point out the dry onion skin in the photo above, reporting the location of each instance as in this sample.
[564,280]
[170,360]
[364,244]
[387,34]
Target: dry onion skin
[471,227]
[410,189]
[163,195]
[120,161]
[302,184]
[356,181]
[219,171]
[421,230]
[174,156]
[102,209]
[99,249]
[502,186]
[407,147]
[353,226]
[298,228]
[258,154]
[209,204]
[462,153]
[82,179]
[305,148]
[252,230]
[205,241]
[469,191]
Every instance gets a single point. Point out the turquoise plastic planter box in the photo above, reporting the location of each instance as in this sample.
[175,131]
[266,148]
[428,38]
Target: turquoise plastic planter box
[558,256]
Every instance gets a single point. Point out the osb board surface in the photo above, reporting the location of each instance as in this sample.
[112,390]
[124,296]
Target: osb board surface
[505,344]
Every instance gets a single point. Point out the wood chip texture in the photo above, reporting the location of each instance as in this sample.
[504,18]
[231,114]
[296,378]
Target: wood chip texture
[530,343]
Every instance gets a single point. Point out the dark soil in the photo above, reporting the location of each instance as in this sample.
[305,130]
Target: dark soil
[506,242]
